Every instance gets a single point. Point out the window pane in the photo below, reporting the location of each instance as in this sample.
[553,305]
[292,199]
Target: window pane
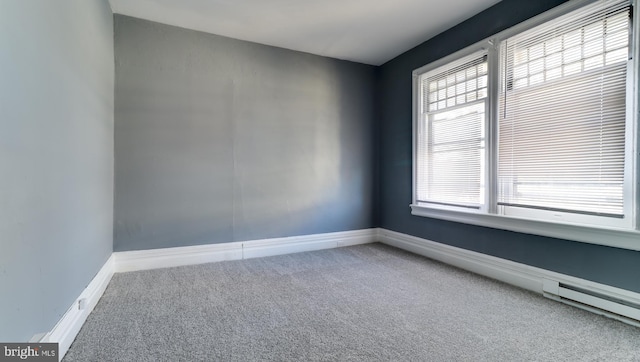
[570,48]
[562,124]
[453,166]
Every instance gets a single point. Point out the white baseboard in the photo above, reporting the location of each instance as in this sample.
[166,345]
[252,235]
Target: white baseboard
[520,275]
[296,244]
[517,274]
[126,261]
[69,325]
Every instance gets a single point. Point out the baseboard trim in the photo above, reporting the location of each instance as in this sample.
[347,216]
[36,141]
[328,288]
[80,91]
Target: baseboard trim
[517,274]
[297,244]
[67,328]
[126,261]
[510,272]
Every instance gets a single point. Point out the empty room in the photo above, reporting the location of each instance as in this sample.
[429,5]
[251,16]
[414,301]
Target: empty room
[280,180]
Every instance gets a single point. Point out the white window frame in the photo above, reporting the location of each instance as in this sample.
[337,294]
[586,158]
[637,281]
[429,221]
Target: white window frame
[627,237]
[485,102]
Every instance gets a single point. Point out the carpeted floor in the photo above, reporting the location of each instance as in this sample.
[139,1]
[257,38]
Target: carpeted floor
[362,303]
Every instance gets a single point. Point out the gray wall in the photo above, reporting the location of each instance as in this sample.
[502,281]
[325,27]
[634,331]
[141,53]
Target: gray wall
[56,157]
[220,140]
[616,267]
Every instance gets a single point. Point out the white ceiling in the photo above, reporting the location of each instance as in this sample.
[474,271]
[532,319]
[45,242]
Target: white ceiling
[365,31]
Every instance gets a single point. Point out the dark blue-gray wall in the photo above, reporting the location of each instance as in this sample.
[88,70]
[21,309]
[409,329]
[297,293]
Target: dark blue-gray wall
[221,140]
[616,267]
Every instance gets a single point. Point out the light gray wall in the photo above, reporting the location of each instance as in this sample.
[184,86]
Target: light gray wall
[220,140]
[56,157]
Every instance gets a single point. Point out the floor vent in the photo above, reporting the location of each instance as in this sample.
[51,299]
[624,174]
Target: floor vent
[599,302]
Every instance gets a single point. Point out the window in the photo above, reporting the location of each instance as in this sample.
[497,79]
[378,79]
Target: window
[451,136]
[535,127]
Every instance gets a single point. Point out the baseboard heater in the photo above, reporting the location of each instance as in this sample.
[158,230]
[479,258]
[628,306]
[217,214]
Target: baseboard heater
[594,301]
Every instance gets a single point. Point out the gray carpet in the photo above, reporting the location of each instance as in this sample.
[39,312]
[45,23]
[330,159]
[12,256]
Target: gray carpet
[362,303]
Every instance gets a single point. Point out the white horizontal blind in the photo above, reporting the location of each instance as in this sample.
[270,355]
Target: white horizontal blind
[451,133]
[562,113]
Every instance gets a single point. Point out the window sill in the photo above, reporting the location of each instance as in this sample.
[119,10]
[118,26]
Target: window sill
[619,238]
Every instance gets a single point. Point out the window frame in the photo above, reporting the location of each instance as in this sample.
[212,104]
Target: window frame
[621,237]
[423,118]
